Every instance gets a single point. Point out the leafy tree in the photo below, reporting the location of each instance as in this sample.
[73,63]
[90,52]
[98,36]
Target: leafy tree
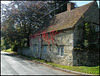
[62,8]
[60,5]
[89,36]
[21,18]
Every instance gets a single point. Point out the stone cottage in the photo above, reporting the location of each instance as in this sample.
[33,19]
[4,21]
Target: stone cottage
[56,43]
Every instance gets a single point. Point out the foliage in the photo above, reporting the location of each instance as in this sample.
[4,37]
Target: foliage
[78,48]
[55,4]
[62,8]
[89,37]
[20,19]
[14,48]
[4,44]
[8,50]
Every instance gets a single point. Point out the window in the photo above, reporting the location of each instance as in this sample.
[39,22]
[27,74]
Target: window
[44,49]
[61,50]
[97,28]
[58,50]
[35,48]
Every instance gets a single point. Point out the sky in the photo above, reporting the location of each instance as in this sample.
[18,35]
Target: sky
[80,3]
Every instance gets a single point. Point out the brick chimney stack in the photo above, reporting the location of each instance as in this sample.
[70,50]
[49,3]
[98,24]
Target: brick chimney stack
[70,6]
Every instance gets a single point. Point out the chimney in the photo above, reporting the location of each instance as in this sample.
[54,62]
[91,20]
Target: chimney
[70,6]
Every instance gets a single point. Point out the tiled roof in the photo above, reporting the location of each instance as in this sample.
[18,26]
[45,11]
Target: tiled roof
[67,19]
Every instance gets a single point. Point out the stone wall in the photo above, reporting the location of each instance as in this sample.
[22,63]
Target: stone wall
[64,39]
[25,51]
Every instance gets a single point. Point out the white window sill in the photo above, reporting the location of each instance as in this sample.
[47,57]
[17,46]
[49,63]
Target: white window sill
[60,56]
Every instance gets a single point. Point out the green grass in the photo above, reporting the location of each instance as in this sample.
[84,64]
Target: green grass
[84,69]
[8,50]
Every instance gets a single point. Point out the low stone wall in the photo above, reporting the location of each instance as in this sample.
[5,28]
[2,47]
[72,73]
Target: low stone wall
[25,51]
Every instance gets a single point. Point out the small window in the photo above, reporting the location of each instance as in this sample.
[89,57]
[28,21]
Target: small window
[97,29]
[61,50]
[35,48]
[44,49]
[58,50]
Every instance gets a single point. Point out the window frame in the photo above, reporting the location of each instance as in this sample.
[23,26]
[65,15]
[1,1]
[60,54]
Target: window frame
[60,50]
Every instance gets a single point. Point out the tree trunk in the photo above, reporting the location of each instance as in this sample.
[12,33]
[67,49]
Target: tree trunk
[28,41]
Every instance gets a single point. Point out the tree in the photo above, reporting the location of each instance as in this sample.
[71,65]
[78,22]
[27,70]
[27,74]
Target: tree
[21,18]
[90,36]
[59,6]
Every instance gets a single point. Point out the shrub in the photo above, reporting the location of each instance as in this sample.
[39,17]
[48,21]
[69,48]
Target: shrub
[78,48]
[14,48]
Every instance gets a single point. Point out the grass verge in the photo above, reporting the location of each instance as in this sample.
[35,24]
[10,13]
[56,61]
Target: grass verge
[83,69]
[8,50]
